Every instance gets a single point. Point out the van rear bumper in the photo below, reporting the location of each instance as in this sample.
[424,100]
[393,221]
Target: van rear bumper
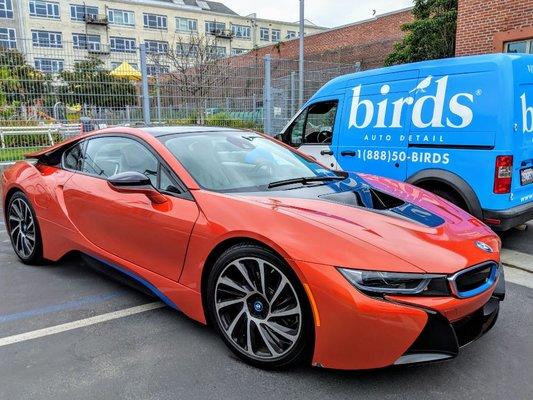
[509,218]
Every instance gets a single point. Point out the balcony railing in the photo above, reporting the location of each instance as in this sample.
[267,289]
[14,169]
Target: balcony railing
[96,19]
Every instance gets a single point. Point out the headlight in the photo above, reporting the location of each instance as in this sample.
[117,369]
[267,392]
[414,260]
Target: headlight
[375,283]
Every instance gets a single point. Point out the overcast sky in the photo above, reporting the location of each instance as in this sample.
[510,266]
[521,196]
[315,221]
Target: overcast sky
[322,12]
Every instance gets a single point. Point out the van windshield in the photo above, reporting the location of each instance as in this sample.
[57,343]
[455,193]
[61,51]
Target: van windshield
[235,161]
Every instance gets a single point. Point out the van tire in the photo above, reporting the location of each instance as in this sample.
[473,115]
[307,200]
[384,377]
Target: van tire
[452,197]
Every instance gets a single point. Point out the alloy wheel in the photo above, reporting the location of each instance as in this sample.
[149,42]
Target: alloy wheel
[257,308]
[22,228]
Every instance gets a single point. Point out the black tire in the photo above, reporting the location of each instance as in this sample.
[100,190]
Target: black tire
[292,297]
[24,231]
[453,198]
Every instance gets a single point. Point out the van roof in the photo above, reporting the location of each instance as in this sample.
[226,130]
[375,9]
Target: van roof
[456,62]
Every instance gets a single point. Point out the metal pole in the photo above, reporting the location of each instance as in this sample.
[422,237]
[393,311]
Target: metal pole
[267,97]
[293,92]
[301,59]
[158,87]
[144,82]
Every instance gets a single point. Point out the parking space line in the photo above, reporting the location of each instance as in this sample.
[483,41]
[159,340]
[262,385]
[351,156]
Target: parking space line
[70,305]
[52,330]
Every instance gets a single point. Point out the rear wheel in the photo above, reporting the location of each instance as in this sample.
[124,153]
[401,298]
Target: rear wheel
[259,307]
[23,229]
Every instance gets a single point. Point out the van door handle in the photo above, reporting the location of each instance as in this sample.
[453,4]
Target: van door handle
[326,152]
[348,153]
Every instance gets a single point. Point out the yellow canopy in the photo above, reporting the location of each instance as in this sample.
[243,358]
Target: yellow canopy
[125,70]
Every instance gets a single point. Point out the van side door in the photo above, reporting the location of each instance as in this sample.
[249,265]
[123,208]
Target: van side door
[373,135]
[311,131]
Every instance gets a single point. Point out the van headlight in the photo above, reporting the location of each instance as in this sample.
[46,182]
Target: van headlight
[376,283]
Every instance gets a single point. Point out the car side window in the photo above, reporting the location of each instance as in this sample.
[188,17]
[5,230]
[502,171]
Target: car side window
[73,157]
[319,122]
[166,182]
[107,156]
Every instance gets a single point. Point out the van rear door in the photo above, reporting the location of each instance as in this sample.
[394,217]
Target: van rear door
[522,179]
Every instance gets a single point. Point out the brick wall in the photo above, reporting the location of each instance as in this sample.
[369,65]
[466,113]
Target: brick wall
[368,42]
[483,26]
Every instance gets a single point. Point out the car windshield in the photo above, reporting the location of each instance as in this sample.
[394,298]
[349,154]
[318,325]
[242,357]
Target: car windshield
[236,161]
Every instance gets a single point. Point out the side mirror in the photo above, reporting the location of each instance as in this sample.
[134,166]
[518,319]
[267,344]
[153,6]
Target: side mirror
[135,182]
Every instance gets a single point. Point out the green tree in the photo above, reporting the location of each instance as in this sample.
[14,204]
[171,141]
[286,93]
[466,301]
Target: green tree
[430,36]
[90,83]
[20,82]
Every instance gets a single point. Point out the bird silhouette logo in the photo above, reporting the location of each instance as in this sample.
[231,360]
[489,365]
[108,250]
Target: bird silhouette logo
[423,85]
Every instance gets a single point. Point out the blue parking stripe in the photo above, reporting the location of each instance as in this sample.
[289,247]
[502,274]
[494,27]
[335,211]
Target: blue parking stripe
[70,305]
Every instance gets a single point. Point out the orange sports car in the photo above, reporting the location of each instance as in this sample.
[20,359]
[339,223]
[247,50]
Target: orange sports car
[288,260]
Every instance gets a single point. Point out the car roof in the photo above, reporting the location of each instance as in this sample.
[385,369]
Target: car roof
[172,130]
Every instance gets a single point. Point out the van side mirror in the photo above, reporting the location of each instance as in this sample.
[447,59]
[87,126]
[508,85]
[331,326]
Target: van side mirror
[135,182]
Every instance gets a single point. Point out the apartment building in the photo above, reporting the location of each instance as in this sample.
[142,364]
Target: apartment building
[53,34]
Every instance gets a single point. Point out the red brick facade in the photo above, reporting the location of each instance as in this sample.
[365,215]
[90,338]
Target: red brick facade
[484,26]
[368,42]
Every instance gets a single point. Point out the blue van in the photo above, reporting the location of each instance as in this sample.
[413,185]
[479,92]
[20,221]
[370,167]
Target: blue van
[461,128]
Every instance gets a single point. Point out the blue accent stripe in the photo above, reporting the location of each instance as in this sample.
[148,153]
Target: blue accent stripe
[70,305]
[142,281]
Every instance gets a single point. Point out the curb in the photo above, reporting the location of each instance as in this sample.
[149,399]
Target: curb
[518,260]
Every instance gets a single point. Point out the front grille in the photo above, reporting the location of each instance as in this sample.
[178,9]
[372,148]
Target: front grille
[475,280]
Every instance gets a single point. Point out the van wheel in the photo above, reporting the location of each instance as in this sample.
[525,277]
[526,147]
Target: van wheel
[453,198]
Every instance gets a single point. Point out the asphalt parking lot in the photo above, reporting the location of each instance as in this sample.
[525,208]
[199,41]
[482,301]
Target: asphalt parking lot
[160,354]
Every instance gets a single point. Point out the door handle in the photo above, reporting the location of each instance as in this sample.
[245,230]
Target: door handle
[326,152]
[348,153]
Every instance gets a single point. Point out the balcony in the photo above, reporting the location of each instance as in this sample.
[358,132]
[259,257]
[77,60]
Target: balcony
[97,49]
[221,33]
[91,19]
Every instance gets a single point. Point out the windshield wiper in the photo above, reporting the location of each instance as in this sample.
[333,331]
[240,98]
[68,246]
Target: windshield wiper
[308,179]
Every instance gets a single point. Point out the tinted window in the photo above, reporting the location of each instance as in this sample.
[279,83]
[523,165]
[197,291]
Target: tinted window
[107,156]
[166,183]
[73,157]
[314,125]
[319,123]
[238,161]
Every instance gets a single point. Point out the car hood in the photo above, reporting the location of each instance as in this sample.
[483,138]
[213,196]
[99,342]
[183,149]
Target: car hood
[410,223]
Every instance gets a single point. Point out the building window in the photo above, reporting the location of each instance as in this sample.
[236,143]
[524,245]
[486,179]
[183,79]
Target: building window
[241,31]
[187,50]
[155,21]
[520,46]
[155,46]
[155,69]
[83,41]
[290,35]
[122,45]
[44,9]
[115,64]
[235,51]
[264,34]
[6,9]
[81,13]
[7,38]
[217,51]
[186,24]
[212,27]
[276,35]
[49,65]
[121,17]
[46,39]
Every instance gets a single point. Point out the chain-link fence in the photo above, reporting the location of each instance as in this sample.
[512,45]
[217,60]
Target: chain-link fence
[49,83]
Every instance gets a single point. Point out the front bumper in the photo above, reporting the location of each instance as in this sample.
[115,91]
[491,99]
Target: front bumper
[509,218]
[441,339]
[354,331]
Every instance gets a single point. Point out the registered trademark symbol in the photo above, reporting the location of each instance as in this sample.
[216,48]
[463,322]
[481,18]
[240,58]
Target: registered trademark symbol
[478,92]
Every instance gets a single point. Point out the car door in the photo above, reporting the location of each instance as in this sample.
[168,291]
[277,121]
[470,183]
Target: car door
[129,225]
[312,131]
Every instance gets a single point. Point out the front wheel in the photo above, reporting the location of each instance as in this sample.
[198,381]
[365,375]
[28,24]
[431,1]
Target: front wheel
[259,307]
[23,229]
